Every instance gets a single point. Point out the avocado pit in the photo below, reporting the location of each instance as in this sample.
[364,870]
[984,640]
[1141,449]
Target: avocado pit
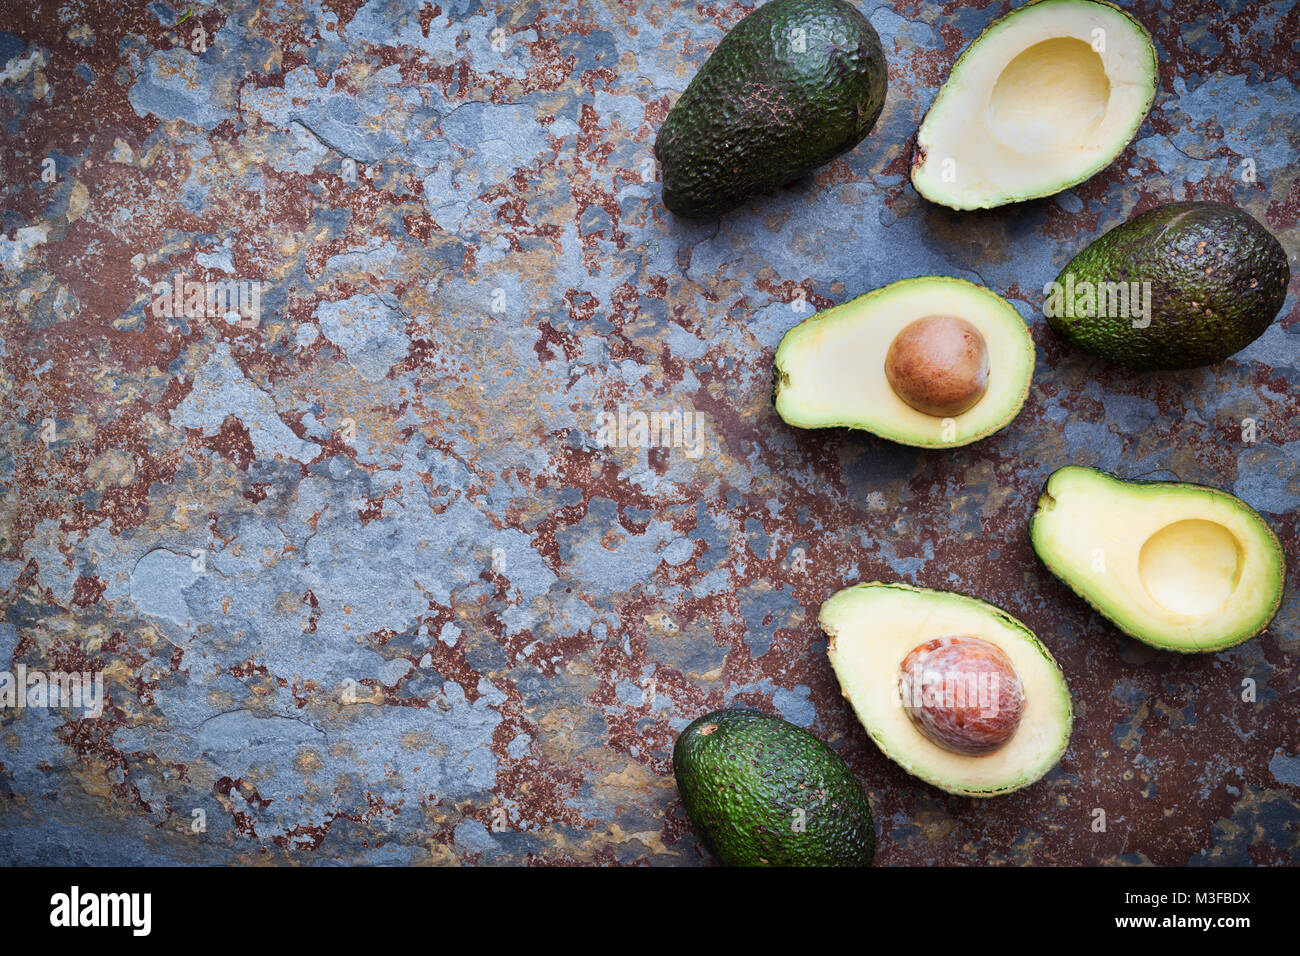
[962,693]
[939,365]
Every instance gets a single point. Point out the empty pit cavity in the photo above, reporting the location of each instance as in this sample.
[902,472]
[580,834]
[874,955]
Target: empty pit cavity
[1191,567]
[1051,97]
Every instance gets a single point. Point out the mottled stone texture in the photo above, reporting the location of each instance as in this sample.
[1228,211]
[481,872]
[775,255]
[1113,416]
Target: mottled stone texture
[362,581]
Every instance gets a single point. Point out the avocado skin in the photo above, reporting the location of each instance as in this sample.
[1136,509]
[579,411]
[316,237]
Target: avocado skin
[743,780]
[758,115]
[1172,247]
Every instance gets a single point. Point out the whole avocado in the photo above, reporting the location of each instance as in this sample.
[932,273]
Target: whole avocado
[762,792]
[793,85]
[1215,275]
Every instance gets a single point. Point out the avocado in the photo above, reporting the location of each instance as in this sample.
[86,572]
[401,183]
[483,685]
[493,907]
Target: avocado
[793,85]
[934,362]
[955,691]
[762,792]
[1043,99]
[1182,285]
[1179,566]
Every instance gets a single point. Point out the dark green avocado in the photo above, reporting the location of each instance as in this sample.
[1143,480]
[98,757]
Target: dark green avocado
[793,85]
[1183,285]
[762,792]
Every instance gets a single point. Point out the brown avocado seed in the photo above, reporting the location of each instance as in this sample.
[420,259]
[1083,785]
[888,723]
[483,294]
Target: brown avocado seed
[939,365]
[963,693]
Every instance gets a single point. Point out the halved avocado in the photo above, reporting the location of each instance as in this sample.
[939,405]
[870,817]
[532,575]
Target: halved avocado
[1044,98]
[874,627]
[1179,566]
[831,368]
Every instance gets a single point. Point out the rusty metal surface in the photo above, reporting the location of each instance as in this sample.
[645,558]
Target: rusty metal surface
[364,585]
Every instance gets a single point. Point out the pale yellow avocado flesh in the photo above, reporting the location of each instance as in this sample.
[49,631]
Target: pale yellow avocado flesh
[872,627]
[1182,567]
[830,369]
[1043,99]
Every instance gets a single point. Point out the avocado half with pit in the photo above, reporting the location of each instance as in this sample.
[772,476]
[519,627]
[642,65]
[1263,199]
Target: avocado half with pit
[934,362]
[1179,566]
[1044,98]
[955,691]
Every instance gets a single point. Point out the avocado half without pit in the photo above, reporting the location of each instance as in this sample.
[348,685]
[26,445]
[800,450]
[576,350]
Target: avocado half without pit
[1044,98]
[956,691]
[934,362]
[1179,566]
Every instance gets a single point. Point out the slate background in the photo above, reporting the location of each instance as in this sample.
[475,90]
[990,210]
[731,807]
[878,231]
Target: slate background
[631,591]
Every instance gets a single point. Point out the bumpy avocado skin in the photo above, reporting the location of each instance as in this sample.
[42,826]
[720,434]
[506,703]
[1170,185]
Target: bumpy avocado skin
[1218,278]
[743,775]
[793,85]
